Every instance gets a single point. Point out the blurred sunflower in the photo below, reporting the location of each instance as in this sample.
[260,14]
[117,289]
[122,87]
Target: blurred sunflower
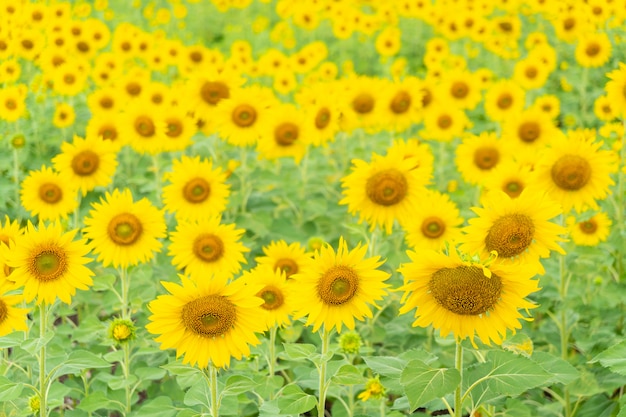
[466,298]
[403,104]
[207,321]
[528,132]
[478,155]
[338,287]
[591,231]
[278,302]
[8,232]
[123,232]
[12,318]
[616,89]
[419,152]
[48,194]
[179,128]
[503,99]
[64,115]
[604,109]
[143,125]
[444,123]
[48,263]
[108,127]
[12,102]
[321,113]
[281,134]
[530,73]
[460,88]
[548,104]
[361,103]
[105,100]
[288,258]
[593,50]
[509,176]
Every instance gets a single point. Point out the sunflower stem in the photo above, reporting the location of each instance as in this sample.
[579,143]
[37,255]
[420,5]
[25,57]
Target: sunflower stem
[323,385]
[458,364]
[126,369]
[215,405]
[157,177]
[16,177]
[563,329]
[125,282]
[583,94]
[271,360]
[43,390]
[383,406]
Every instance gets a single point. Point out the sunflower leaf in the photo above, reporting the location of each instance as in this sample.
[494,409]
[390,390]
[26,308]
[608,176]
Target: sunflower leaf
[562,372]
[159,407]
[10,390]
[613,358]
[295,401]
[348,375]
[423,383]
[238,384]
[299,351]
[385,365]
[78,361]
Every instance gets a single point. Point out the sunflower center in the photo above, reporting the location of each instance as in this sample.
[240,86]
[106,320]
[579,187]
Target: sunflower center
[4,311]
[504,101]
[244,115]
[108,132]
[144,126]
[433,227]
[569,23]
[10,104]
[272,296]
[50,193]
[286,134]
[85,163]
[213,92]
[208,247]
[510,235]
[529,132]
[465,290]
[363,103]
[531,72]
[571,172]
[486,157]
[588,227]
[209,316]
[624,91]
[592,49]
[338,285]
[133,89]
[322,119]
[387,187]
[444,121]
[513,188]
[288,266]
[459,90]
[400,102]
[427,98]
[125,229]
[196,190]
[48,264]
[174,128]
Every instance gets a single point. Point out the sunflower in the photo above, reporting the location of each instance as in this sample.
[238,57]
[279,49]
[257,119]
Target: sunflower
[518,229]
[8,233]
[123,232]
[89,162]
[12,318]
[509,176]
[503,99]
[576,172]
[361,103]
[616,89]
[12,102]
[69,78]
[444,123]
[593,50]
[604,109]
[477,156]
[144,126]
[275,290]
[109,128]
[403,101]
[64,115]
[591,231]
[207,321]
[434,223]
[321,113]
[207,248]
[419,152]
[530,73]
[105,100]
[460,88]
[179,128]
[385,190]
[466,298]
[529,132]
[548,104]
[288,258]
[196,189]
[281,134]
[48,263]
[48,194]
[337,287]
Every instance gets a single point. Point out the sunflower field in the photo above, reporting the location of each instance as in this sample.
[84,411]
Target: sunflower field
[338,208]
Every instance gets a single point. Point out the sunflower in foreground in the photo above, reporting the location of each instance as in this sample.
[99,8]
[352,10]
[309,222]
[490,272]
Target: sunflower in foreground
[589,232]
[338,287]
[207,321]
[466,298]
[288,258]
[48,263]
[123,232]
[11,318]
[278,303]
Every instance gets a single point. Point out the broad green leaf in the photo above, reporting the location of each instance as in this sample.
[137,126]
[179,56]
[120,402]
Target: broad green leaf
[96,401]
[159,407]
[598,406]
[103,282]
[149,373]
[238,384]
[198,394]
[180,369]
[422,383]
[10,390]
[296,403]
[119,382]
[11,340]
[586,385]
[188,413]
[613,358]
[298,351]
[78,361]
[560,370]
[348,375]
[385,365]
[268,385]
[33,346]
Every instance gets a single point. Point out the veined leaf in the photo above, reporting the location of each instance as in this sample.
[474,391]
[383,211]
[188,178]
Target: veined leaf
[299,351]
[560,370]
[385,365]
[423,383]
[613,358]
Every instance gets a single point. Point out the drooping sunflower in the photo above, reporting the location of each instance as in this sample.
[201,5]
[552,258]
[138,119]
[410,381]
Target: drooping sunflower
[338,287]
[48,194]
[88,162]
[207,321]
[48,263]
[518,229]
[591,231]
[123,232]
[289,258]
[196,189]
[207,248]
[384,190]
[466,298]
[434,223]
[12,318]
[478,155]
[276,292]
[576,172]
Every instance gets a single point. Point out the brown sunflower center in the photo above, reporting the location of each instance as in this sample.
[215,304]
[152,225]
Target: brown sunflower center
[174,127]
[50,193]
[510,235]
[213,92]
[4,311]
[244,115]
[108,132]
[286,134]
[85,163]
[400,103]
[144,126]
[465,290]
[196,190]
[287,265]
[209,316]
[363,103]
[338,285]
[208,247]
[504,101]
[433,227]
[531,72]
[459,90]
[272,296]
[124,229]
[624,91]
[10,104]
[427,98]
[592,49]
[444,121]
[387,187]
[529,132]
[569,23]
[588,227]
[486,157]
[513,188]
[133,88]
[322,119]
[571,172]
[48,263]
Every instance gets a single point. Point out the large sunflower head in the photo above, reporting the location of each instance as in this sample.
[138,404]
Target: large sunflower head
[276,292]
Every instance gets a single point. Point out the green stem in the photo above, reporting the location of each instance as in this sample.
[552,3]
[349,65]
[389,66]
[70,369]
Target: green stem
[383,406]
[323,385]
[126,368]
[16,178]
[215,405]
[458,364]
[271,360]
[350,400]
[125,283]
[43,390]
[157,177]
[563,329]
[583,94]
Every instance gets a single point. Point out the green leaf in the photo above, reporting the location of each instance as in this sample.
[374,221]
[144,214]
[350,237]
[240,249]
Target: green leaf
[150,374]
[560,370]
[159,407]
[238,384]
[119,382]
[348,375]
[386,365]
[33,346]
[295,401]
[97,401]
[299,351]
[613,358]
[103,282]
[10,390]
[422,383]
[268,385]
[11,340]
[78,361]
[198,394]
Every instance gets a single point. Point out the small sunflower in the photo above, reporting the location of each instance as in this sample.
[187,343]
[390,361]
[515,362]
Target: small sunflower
[48,194]
[275,290]
[478,155]
[8,232]
[531,73]
[207,321]
[444,123]
[511,177]
[206,248]
[593,50]
[288,258]
[196,189]
[461,89]
[108,127]
[12,318]
[338,287]
[361,103]
[321,113]
[144,126]
[123,232]
[64,115]
[49,263]
[282,134]
[466,298]
[419,152]
[529,131]
[591,231]
[402,103]
[616,89]
[503,99]
[179,128]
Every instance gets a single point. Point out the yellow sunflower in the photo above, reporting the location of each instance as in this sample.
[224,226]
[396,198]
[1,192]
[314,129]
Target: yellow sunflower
[206,248]
[576,172]
[529,132]
[604,109]
[518,229]
[196,190]
[49,263]
[466,298]
[338,287]
[288,258]
[123,232]
[503,99]
[548,104]
[179,128]
[402,103]
[384,190]
[478,155]
[8,232]
[207,321]
[616,89]
[511,177]
[48,194]
[434,223]
[64,115]
[282,134]
[591,231]
[321,113]
[12,318]
[13,102]
[531,73]
[144,127]
[593,50]
[419,152]
[108,127]
[444,123]
[88,162]
[361,103]
[276,292]
[461,89]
